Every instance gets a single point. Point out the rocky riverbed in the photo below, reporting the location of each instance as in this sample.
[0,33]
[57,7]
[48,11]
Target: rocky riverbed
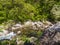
[50,36]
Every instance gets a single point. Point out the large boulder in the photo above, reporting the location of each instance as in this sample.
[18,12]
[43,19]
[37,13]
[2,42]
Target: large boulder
[51,36]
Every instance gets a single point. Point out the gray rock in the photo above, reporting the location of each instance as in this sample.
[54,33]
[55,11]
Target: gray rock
[55,27]
[51,36]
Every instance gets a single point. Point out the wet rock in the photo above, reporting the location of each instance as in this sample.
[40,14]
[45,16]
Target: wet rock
[51,35]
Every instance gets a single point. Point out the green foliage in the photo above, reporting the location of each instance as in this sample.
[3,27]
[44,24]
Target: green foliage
[7,42]
[39,33]
[23,10]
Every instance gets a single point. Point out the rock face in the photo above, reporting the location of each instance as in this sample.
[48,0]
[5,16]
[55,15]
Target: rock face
[51,35]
